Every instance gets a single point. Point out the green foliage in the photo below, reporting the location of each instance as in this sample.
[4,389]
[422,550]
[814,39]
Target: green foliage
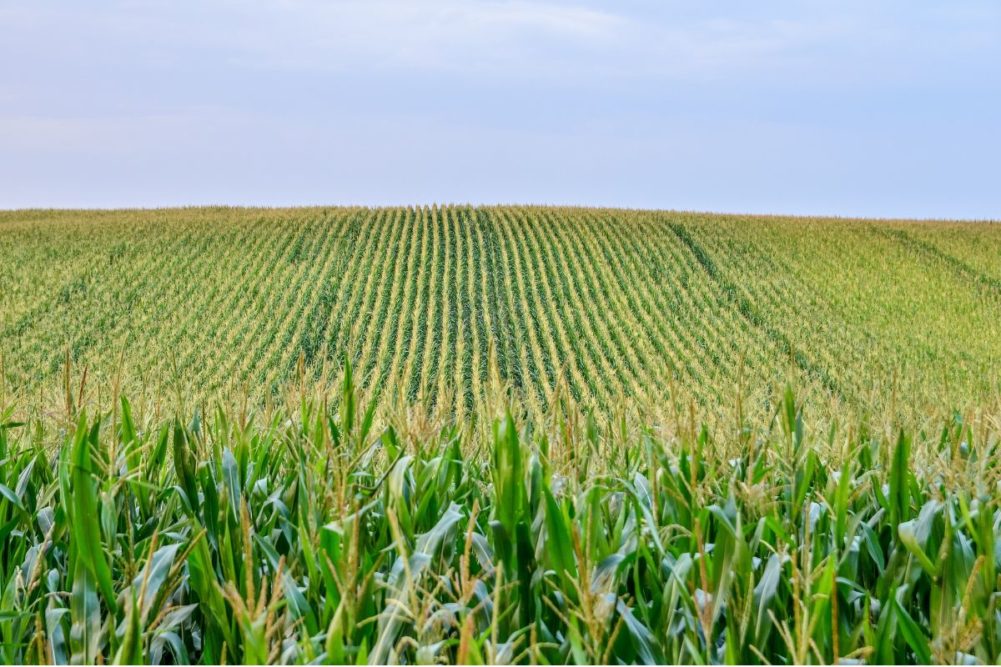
[603,310]
[303,539]
[497,435]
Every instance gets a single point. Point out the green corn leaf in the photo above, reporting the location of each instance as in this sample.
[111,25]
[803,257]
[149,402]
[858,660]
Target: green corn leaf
[912,633]
[129,436]
[85,617]
[558,543]
[764,593]
[155,575]
[645,643]
[130,652]
[86,527]
[899,497]
[184,467]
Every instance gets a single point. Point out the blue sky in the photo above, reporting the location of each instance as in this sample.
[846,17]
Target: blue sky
[859,107]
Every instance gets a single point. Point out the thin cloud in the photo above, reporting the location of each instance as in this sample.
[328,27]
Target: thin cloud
[519,39]
[881,108]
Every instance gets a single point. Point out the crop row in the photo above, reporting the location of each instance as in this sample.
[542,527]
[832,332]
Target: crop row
[439,305]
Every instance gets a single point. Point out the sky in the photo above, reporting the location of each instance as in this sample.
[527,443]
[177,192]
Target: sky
[854,108]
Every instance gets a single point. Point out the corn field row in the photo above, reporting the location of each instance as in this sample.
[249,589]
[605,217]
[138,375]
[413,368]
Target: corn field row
[602,307]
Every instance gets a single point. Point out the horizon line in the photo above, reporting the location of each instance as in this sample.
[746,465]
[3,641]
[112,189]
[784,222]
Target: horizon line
[455,204]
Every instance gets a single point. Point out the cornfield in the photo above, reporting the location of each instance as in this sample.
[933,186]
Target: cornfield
[497,435]
[606,308]
[310,538]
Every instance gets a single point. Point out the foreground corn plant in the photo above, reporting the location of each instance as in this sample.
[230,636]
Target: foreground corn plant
[311,538]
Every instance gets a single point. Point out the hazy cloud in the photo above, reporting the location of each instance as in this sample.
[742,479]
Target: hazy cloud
[858,107]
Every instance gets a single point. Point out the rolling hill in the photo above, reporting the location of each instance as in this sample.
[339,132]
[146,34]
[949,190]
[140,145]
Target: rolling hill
[438,304]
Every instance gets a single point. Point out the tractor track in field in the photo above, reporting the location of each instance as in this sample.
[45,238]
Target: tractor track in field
[751,315]
[986,284]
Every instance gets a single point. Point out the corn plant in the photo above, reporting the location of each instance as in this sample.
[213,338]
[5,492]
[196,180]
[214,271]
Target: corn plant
[311,536]
[618,310]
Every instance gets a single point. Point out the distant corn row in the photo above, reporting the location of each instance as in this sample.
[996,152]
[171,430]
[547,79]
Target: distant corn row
[312,538]
[600,307]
